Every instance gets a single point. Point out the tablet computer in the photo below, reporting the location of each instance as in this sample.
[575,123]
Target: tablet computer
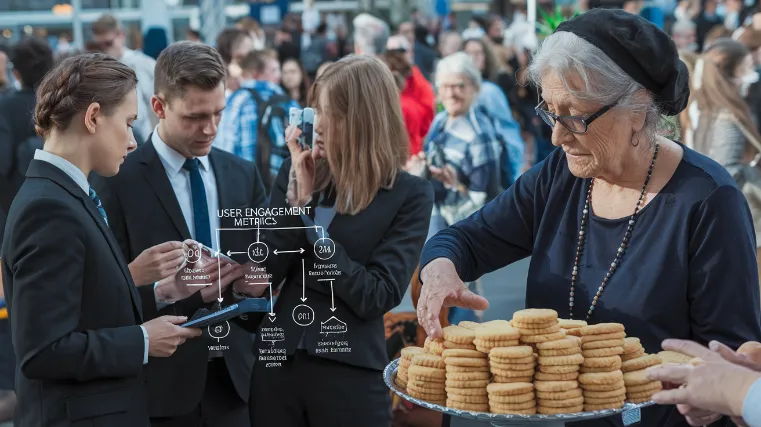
[248,305]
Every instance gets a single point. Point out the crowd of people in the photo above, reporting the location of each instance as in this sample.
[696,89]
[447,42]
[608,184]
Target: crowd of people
[438,145]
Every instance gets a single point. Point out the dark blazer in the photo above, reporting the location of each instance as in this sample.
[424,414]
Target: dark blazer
[16,126]
[376,252]
[73,308]
[143,211]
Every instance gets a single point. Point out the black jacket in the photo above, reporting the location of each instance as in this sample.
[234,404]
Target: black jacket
[74,310]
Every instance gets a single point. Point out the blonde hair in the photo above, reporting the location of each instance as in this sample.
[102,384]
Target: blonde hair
[368,143]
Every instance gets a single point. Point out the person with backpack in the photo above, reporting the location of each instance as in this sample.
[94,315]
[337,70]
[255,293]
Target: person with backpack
[256,115]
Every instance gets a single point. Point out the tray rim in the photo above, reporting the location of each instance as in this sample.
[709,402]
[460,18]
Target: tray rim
[389,375]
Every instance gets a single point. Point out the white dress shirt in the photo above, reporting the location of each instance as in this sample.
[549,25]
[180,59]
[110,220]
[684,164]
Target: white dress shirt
[180,180]
[79,177]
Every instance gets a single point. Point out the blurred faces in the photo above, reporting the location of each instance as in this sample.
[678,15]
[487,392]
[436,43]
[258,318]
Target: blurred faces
[497,31]
[476,52]
[271,71]
[457,93]
[113,135]
[407,29]
[189,124]
[449,44]
[685,40]
[607,140]
[745,75]
[292,76]
[242,48]
[111,43]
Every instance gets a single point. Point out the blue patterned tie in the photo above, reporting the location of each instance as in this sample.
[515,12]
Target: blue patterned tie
[96,200]
[200,206]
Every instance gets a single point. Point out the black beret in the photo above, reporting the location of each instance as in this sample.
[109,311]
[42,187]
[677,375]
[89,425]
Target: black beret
[641,49]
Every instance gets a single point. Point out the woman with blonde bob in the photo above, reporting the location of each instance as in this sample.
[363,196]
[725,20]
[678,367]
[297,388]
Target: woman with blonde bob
[363,224]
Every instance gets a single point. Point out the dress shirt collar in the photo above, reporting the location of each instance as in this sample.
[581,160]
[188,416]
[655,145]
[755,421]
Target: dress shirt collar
[170,158]
[74,172]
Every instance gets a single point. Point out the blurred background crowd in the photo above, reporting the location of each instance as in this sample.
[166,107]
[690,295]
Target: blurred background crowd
[459,66]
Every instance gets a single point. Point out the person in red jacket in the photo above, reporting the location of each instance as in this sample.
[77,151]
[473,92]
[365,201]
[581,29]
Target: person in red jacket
[416,93]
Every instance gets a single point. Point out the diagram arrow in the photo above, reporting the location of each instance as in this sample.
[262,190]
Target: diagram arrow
[272,313]
[332,300]
[219,268]
[303,282]
[277,252]
[229,253]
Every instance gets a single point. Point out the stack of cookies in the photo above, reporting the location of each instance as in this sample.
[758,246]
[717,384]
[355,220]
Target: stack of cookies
[673,357]
[467,324]
[434,346]
[467,375]
[638,388]
[572,327]
[458,337]
[493,335]
[537,325]
[426,379]
[556,382]
[602,346]
[406,360]
[511,398]
[632,349]
[512,364]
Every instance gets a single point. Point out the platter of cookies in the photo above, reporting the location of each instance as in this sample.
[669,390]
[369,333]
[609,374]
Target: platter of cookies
[535,367]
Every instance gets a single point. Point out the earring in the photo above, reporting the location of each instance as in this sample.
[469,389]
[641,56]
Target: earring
[637,144]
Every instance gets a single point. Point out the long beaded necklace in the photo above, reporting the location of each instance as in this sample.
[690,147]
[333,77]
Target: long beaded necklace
[621,248]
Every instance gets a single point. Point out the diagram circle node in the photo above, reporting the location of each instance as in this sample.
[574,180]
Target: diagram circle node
[324,248]
[219,330]
[258,252]
[303,315]
[192,253]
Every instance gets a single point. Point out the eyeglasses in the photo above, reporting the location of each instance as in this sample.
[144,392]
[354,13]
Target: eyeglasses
[575,124]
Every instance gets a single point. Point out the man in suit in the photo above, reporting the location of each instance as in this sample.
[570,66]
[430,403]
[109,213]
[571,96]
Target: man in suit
[170,189]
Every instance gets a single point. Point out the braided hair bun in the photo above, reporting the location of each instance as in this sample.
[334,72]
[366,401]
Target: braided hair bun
[77,82]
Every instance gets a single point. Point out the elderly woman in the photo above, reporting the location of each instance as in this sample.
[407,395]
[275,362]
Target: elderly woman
[621,225]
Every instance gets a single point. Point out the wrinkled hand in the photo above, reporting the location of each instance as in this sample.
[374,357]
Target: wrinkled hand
[442,287]
[702,393]
[156,263]
[302,173]
[164,335]
[447,175]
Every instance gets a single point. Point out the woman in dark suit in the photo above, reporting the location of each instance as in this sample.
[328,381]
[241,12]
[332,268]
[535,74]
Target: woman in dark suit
[363,222]
[74,312]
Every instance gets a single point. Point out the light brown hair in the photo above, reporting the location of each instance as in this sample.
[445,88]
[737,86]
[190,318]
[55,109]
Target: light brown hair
[185,64]
[256,60]
[685,124]
[77,82]
[717,93]
[368,143]
[105,24]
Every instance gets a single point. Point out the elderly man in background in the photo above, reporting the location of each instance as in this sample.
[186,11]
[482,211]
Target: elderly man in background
[110,38]
[370,35]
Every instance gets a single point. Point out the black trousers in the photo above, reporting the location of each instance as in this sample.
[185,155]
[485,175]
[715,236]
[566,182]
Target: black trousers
[220,405]
[308,391]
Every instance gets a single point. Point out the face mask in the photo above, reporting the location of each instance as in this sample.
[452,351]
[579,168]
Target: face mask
[16,84]
[746,81]
[721,10]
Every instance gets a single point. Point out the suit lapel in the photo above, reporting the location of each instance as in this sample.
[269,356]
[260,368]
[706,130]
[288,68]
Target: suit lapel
[155,173]
[42,169]
[221,171]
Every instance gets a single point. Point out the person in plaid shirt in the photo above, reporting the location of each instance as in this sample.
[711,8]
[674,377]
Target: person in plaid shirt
[238,129]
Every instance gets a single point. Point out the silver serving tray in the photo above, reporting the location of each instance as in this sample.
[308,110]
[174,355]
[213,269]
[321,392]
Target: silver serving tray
[389,374]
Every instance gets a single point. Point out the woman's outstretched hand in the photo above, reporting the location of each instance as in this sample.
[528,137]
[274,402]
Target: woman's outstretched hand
[442,287]
[301,175]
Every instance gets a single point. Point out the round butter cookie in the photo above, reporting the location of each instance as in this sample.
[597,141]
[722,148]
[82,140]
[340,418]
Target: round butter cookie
[557,345]
[639,363]
[535,315]
[602,328]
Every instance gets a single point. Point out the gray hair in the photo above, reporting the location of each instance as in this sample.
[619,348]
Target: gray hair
[603,81]
[682,26]
[371,34]
[460,63]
